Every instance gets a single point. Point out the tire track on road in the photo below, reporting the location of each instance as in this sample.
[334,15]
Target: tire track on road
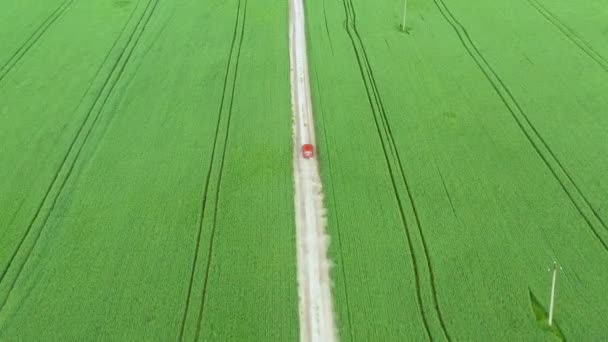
[541,147]
[395,170]
[34,37]
[570,34]
[68,163]
[225,109]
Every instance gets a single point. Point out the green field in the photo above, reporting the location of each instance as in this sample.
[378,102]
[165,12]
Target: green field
[480,135]
[146,172]
[143,196]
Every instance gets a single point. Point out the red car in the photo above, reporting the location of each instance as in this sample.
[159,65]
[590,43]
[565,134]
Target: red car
[308,151]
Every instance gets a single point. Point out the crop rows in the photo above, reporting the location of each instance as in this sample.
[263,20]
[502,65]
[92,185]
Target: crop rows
[131,210]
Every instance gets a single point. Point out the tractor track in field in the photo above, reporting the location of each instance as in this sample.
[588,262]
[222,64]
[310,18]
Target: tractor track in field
[447,193]
[225,109]
[33,38]
[570,34]
[68,163]
[331,44]
[386,138]
[567,183]
[40,206]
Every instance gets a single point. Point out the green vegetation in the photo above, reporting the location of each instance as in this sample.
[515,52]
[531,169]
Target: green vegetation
[146,175]
[146,188]
[458,161]
[542,318]
[23,23]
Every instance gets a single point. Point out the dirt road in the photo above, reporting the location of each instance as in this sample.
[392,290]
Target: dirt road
[314,289]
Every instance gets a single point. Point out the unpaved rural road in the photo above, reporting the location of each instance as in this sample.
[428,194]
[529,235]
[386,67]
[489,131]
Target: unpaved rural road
[314,289]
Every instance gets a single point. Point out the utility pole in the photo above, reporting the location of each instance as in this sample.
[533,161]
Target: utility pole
[552,299]
[404,14]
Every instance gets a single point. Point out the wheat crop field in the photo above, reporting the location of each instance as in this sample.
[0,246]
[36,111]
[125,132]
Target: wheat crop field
[147,172]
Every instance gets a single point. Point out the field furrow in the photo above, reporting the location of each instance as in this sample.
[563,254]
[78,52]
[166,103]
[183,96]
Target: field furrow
[398,179]
[584,25]
[571,189]
[214,173]
[72,125]
[22,50]
[27,243]
[567,117]
[570,34]
[23,23]
[251,289]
